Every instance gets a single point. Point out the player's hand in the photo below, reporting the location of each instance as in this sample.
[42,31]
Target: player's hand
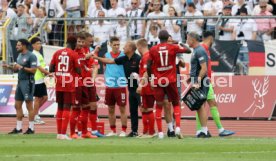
[196,86]
[97,49]
[17,66]
[138,90]
[50,75]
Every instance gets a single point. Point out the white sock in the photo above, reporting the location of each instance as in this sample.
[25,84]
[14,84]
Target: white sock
[37,117]
[94,132]
[221,130]
[31,125]
[204,130]
[19,125]
[170,126]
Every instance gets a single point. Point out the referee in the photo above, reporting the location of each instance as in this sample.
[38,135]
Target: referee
[26,67]
[130,62]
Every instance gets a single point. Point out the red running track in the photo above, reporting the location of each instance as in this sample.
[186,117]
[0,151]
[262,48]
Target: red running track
[243,128]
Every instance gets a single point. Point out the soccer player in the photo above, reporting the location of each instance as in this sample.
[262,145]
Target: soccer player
[40,92]
[90,74]
[81,108]
[26,67]
[161,64]
[116,83]
[199,78]
[66,66]
[208,39]
[145,90]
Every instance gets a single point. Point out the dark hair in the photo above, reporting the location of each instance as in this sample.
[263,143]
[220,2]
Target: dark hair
[24,42]
[163,35]
[35,40]
[87,34]
[194,35]
[207,34]
[192,5]
[175,13]
[72,40]
[113,38]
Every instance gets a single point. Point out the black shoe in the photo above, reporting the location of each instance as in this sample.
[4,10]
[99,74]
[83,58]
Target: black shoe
[203,135]
[132,134]
[171,133]
[15,131]
[29,131]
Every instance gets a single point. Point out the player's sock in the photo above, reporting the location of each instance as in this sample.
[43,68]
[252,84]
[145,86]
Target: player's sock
[124,127]
[145,122]
[19,125]
[74,119]
[79,123]
[93,119]
[31,125]
[177,115]
[170,126]
[151,122]
[198,124]
[204,130]
[158,117]
[84,119]
[65,120]
[113,128]
[216,117]
[59,119]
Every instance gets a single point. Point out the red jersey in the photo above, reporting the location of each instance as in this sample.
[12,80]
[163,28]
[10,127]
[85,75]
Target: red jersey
[65,62]
[81,60]
[163,56]
[209,68]
[142,69]
[88,66]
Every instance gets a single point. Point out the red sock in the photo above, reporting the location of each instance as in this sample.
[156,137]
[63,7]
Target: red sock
[74,119]
[65,121]
[59,119]
[113,128]
[145,122]
[79,123]
[124,128]
[151,122]
[84,119]
[159,118]
[93,119]
[177,115]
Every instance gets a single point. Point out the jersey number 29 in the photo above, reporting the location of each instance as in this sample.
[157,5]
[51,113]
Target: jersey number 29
[63,64]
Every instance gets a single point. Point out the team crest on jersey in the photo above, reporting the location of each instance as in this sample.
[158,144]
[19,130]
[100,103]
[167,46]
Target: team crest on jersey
[24,60]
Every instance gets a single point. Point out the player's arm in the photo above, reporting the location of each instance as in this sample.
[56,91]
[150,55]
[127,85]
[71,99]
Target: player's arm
[104,60]
[182,48]
[93,53]
[76,64]
[32,69]
[203,71]
[52,64]
[95,71]
[143,80]
[44,71]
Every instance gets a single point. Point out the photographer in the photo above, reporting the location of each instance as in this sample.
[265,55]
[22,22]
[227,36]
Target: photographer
[246,29]
[226,25]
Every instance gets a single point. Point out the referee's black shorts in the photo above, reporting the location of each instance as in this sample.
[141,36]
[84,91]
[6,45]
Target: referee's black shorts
[40,90]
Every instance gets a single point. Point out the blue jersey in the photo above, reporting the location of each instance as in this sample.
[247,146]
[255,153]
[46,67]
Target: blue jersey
[114,75]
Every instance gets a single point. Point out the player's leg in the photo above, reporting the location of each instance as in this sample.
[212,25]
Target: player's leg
[68,100]
[75,114]
[173,96]
[169,117]
[19,98]
[59,100]
[215,113]
[93,116]
[159,95]
[40,98]
[144,115]
[120,97]
[28,91]
[150,114]
[110,102]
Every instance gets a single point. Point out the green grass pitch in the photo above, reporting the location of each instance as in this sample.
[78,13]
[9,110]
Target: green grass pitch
[46,148]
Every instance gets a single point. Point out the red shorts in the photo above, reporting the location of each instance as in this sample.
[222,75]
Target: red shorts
[170,90]
[92,94]
[148,101]
[81,95]
[115,95]
[65,97]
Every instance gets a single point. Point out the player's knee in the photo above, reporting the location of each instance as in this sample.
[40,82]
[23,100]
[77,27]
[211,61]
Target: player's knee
[212,103]
[111,109]
[123,110]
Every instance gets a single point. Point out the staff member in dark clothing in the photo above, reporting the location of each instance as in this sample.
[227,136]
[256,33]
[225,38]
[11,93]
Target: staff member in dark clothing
[130,62]
[26,67]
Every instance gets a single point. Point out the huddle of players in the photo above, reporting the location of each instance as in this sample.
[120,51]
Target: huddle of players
[156,64]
